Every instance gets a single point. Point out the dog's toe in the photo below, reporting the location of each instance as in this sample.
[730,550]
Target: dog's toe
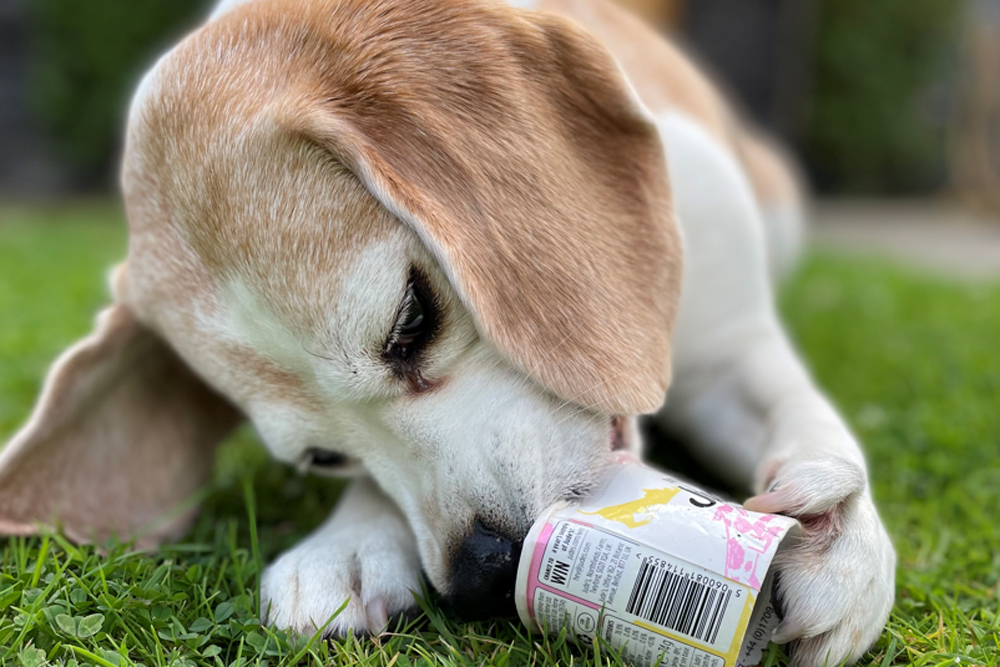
[338,591]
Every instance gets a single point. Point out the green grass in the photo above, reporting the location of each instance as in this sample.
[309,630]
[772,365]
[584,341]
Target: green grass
[912,362]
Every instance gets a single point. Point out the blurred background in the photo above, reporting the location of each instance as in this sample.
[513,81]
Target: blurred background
[889,98]
[892,107]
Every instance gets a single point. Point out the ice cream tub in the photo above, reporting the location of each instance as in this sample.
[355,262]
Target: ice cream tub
[663,571]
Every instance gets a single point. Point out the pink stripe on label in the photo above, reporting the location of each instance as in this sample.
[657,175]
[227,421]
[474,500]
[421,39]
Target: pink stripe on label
[564,594]
[536,565]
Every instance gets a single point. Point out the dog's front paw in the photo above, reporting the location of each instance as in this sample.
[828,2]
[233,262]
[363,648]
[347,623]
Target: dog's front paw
[836,586]
[375,573]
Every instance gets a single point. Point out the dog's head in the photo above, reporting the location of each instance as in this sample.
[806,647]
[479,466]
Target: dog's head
[429,239]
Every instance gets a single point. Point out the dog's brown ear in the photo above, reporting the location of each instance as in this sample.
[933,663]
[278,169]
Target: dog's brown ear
[122,435]
[529,168]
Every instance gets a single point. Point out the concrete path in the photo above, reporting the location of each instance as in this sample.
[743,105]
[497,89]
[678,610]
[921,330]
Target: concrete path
[932,234]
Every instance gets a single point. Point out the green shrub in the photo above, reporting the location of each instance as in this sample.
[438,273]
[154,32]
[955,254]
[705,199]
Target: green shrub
[86,56]
[877,116]
[869,129]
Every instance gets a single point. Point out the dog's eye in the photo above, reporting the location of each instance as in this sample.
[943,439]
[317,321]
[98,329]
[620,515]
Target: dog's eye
[414,327]
[324,458]
[411,324]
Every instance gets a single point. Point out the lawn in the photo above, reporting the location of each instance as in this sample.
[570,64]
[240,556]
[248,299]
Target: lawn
[912,361]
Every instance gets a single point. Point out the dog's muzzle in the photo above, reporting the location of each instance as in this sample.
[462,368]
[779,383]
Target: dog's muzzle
[484,570]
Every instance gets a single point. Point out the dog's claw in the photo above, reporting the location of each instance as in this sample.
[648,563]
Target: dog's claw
[378,615]
[772,502]
[785,632]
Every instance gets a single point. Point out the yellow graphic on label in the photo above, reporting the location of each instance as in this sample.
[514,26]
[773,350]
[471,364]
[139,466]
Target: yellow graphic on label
[626,512]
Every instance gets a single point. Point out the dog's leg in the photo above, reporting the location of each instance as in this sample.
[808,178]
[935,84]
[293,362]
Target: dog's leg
[744,397]
[756,410]
[365,554]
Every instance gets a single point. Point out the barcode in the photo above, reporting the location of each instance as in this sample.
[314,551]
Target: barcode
[678,603]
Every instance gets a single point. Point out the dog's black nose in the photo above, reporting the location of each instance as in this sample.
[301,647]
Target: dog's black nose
[483,573]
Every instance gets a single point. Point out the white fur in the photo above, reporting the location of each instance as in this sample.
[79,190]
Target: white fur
[785,236]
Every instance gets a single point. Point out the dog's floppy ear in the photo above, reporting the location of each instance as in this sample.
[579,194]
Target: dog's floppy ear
[531,171]
[122,435]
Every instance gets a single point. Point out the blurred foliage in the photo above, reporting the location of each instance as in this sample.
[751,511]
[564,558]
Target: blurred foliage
[876,123]
[85,59]
[880,105]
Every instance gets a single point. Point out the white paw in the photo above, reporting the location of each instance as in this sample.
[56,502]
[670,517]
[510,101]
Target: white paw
[836,586]
[374,572]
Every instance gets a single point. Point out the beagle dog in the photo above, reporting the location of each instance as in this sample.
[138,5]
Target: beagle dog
[453,248]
